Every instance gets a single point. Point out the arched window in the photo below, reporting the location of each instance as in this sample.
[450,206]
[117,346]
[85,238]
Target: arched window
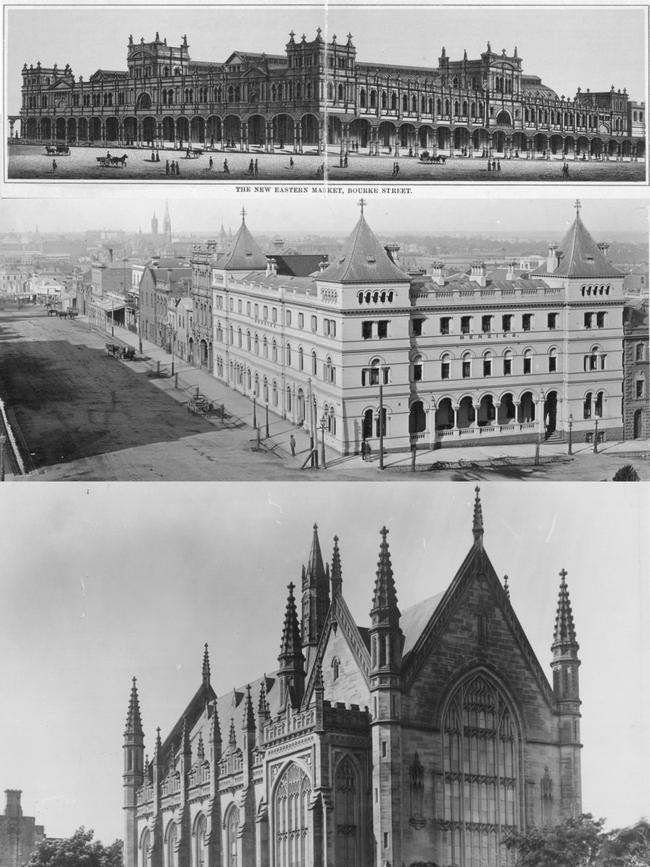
[487,364]
[331,421]
[552,360]
[445,366]
[598,405]
[288,355]
[373,99]
[301,359]
[314,364]
[481,776]
[417,368]
[393,101]
[232,829]
[528,361]
[290,813]
[171,855]
[248,341]
[467,365]
[200,830]
[340,93]
[362,98]
[143,854]
[346,813]
[336,666]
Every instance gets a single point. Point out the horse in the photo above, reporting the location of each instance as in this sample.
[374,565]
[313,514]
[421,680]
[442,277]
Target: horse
[50,151]
[119,161]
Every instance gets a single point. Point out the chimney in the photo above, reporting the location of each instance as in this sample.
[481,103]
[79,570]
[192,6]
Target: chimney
[603,247]
[436,272]
[322,265]
[551,259]
[392,250]
[271,267]
[13,809]
[510,274]
[477,273]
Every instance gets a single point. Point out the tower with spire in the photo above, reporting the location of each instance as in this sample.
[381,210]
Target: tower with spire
[566,688]
[167,226]
[386,643]
[154,225]
[133,772]
[315,598]
[291,672]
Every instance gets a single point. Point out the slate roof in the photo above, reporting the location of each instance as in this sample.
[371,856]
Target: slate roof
[245,254]
[579,256]
[363,260]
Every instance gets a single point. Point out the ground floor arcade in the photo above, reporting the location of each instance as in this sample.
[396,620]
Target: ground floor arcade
[300,131]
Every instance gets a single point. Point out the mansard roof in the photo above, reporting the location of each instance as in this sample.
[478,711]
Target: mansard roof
[363,260]
[245,254]
[579,256]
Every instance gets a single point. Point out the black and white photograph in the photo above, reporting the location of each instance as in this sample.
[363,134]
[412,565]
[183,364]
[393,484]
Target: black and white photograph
[326,339]
[438,676]
[326,93]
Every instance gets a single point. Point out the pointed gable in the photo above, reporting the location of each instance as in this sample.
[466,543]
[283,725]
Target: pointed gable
[363,260]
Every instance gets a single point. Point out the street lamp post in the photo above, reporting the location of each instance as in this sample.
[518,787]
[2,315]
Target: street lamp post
[571,434]
[381,420]
[266,411]
[323,423]
[254,411]
[3,440]
[596,437]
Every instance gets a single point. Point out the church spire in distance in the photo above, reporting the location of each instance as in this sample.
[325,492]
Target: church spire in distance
[133,719]
[206,666]
[477,524]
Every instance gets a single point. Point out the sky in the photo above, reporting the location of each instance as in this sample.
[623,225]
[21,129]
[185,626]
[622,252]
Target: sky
[104,582]
[588,46]
[319,213]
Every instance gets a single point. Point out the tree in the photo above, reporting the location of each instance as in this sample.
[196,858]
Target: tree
[627,847]
[574,843]
[77,851]
[626,474]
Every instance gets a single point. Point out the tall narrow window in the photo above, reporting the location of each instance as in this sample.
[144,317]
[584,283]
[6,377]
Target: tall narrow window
[290,809]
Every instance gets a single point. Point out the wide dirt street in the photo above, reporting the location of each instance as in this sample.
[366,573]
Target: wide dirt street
[83,414]
[31,161]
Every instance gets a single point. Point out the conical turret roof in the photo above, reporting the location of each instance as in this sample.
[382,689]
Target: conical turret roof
[133,720]
[385,596]
[291,647]
[315,571]
[564,634]
[363,260]
[580,256]
[245,254]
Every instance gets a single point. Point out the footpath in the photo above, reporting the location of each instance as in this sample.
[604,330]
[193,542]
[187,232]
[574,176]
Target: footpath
[187,379]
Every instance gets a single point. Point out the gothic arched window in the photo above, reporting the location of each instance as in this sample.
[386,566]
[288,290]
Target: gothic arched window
[346,813]
[290,814]
[171,859]
[232,830]
[481,779]
[200,830]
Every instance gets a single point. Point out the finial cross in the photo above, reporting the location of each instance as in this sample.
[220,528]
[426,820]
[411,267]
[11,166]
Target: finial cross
[243,214]
[563,574]
[577,206]
[362,204]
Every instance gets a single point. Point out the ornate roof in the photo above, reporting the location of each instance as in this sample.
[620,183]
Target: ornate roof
[579,255]
[363,260]
[245,253]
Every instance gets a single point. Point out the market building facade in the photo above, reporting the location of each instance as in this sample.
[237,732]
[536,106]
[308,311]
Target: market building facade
[318,93]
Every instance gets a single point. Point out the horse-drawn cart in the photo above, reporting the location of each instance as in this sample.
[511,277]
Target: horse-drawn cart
[108,161]
[127,353]
[61,150]
[199,404]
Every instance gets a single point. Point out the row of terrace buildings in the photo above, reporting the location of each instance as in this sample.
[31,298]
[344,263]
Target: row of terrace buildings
[421,736]
[318,92]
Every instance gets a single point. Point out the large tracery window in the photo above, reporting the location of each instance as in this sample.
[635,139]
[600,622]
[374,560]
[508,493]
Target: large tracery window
[232,835]
[346,809]
[200,830]
[481,780]
[291,821]
[171,854]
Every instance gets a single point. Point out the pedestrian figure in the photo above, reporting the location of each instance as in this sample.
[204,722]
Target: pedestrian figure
[210,164]
[255,168]
[345,161]
[292,445]
[178,168]
[157,156]
[225,167]
[173,167]
[290,162]
[498,165]
[251,167]
[166,167]
[489,166]
[153,157]
[494,165]
[53,166]
[396,169]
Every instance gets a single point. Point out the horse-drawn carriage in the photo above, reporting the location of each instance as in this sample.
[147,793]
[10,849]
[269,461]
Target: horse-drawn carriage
[117,350]
[198,404]
[193,153]
[112,162]
[435,159]
[60,150]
